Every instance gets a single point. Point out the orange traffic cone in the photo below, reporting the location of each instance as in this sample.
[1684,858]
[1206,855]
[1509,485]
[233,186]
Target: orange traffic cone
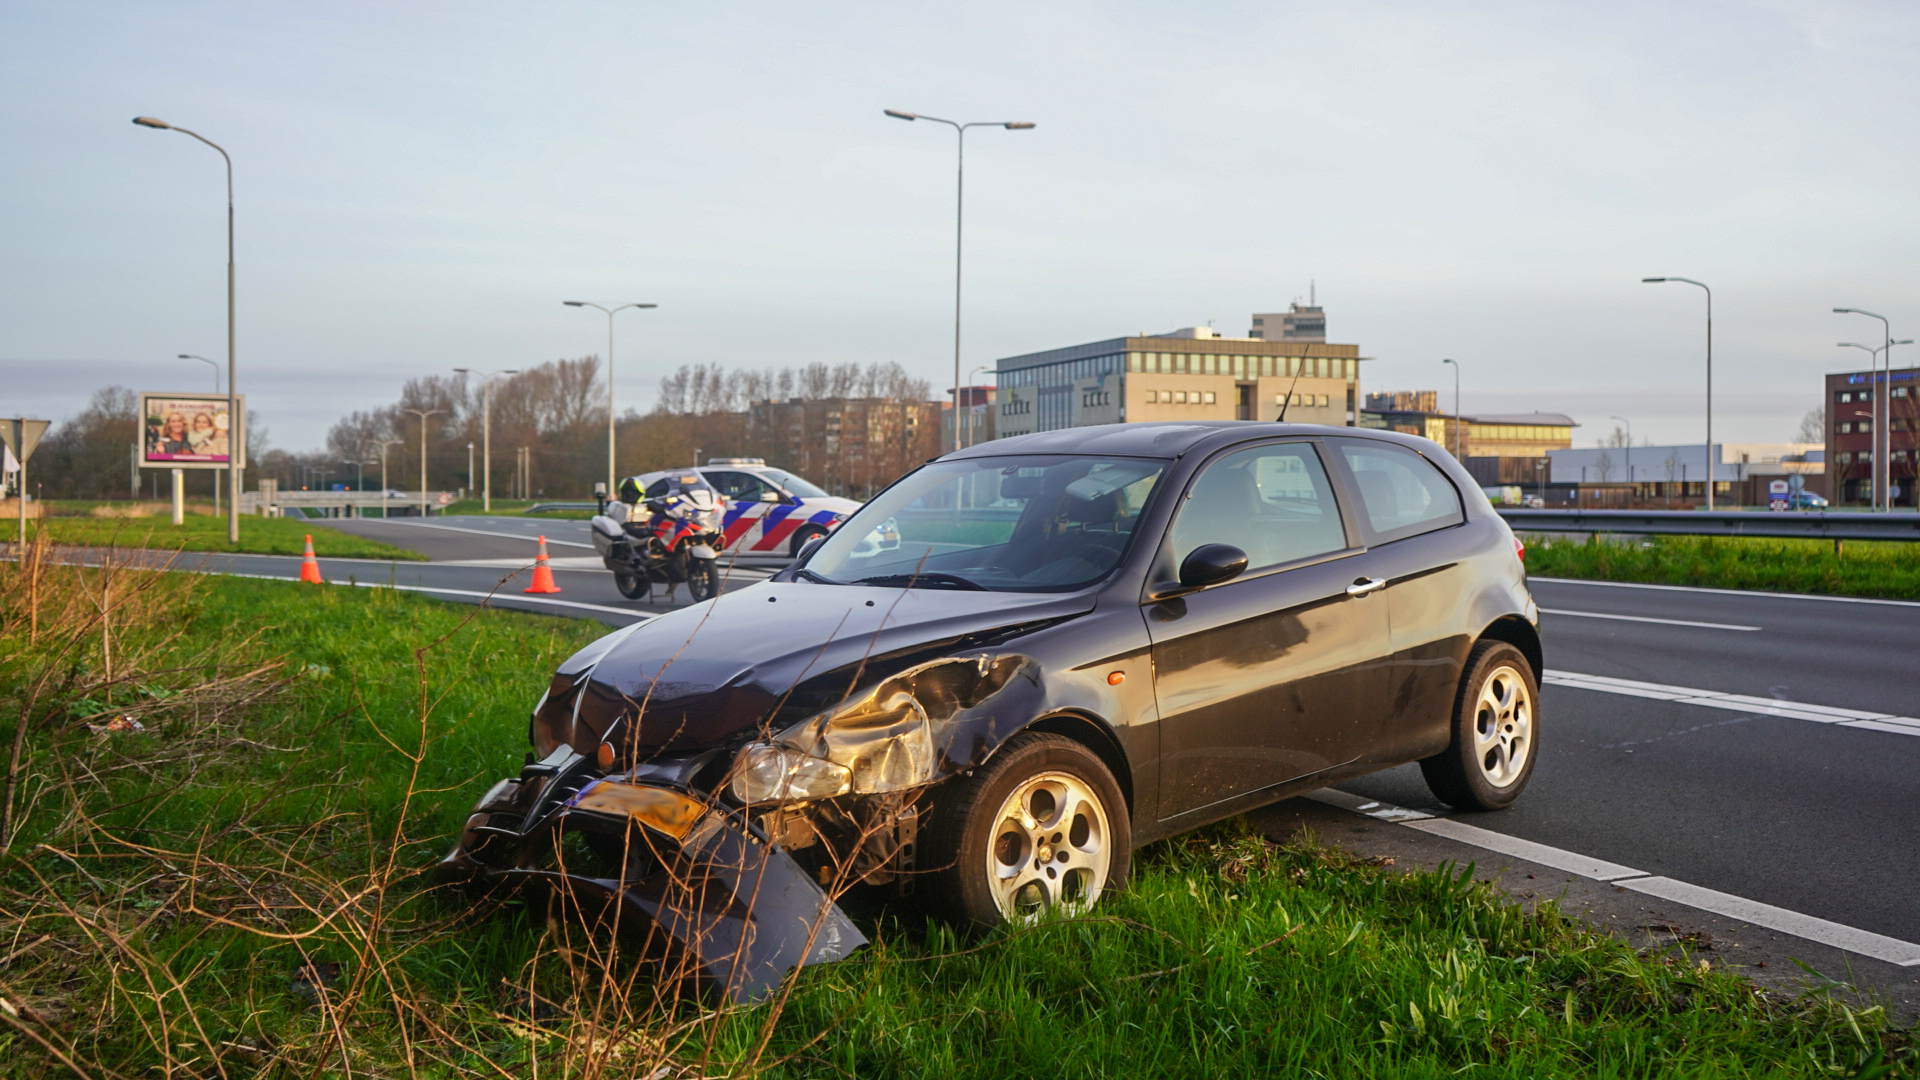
[542,573]
[309,566]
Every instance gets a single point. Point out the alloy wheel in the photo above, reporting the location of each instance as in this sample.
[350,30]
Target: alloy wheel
[1049,847]
[1503,726]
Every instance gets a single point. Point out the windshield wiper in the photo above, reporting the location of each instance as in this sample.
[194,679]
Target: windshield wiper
[811,576]
[929,580]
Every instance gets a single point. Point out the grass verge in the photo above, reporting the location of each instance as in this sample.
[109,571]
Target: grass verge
[1880,569]
[258,536]
[226,890]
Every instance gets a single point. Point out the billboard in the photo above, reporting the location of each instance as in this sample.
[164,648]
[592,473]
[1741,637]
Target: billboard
[188,431]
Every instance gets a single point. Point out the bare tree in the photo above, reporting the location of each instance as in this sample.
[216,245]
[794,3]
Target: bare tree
[1813,426]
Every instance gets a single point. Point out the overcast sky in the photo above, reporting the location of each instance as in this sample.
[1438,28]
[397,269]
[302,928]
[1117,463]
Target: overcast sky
[420,185]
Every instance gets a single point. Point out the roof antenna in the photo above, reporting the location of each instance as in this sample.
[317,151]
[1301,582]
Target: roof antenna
[1312,297]
[1296,382]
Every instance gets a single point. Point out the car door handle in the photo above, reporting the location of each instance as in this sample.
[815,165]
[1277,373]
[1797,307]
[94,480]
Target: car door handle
[1364,586]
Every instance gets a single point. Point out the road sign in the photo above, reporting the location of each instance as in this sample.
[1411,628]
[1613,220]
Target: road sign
[446,498]
[1777,495]
[22,436]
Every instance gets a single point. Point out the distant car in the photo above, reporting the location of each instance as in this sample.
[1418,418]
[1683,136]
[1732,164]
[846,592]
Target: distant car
[769,511]
[1805,500]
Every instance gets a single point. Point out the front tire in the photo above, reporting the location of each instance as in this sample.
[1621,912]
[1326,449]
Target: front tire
[703,579]
[1041,825]
[1496,732]
[800,539]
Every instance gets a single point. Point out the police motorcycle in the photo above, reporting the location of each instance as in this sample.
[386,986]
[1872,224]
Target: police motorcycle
[667,534]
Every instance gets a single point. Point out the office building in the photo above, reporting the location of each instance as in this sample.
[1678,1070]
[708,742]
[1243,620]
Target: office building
[1853,438]
[1188,374]
[975,415]
[1497,448]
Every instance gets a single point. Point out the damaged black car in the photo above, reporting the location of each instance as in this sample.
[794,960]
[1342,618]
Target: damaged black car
[1083,641]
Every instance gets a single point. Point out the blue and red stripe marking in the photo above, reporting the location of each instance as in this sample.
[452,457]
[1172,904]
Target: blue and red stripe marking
[777,530]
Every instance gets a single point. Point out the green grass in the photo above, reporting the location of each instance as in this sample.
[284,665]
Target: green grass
[258,536]
[182,874]
[1883,569]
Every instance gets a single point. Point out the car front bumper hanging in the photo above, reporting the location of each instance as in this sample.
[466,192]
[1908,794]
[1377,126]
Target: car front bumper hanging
[734,912]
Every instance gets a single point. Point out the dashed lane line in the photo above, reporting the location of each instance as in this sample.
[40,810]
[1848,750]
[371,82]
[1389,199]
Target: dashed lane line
[1645,619]
[1825,932]
[1755,593]
[1745,703]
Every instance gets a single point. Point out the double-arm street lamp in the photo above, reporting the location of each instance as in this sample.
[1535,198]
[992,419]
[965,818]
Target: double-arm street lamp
[1629,425]
[959,207]
[423,414]
[1457,421]
[236,435]
[610,417]
[1881,493]
[1879,391]
[1710,462]
[486,429]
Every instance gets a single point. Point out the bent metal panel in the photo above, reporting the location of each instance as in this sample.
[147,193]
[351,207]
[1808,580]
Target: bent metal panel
[188,431]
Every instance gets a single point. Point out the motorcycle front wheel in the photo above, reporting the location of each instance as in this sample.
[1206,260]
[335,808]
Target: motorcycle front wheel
[703,579]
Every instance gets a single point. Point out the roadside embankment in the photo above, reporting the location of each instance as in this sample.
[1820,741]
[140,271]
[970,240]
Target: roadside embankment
[1867,568]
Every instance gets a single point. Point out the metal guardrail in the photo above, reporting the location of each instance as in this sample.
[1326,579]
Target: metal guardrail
[1804,525]
[541,508]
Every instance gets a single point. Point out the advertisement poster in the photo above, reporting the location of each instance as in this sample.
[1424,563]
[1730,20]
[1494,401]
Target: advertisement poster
[187,431]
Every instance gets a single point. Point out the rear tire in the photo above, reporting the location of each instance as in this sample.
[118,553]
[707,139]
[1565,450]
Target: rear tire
[1041,825]
[1496,732]
[633,586]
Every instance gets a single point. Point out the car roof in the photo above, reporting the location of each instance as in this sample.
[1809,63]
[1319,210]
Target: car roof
[1157,440]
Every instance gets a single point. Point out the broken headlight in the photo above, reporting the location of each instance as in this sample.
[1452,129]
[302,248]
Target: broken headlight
[879,740]
[768,773]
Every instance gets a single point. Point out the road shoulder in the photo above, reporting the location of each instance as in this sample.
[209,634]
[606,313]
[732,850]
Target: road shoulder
[1764,956]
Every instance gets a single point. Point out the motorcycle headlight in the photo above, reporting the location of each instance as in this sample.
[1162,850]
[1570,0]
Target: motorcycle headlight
[767,773]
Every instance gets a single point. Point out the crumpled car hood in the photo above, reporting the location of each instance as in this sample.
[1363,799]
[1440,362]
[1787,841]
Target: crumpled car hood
[707,675]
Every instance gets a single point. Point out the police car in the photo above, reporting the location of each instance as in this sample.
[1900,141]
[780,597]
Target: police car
[769,511]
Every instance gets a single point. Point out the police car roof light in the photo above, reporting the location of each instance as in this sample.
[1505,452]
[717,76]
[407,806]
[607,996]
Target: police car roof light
[714,461]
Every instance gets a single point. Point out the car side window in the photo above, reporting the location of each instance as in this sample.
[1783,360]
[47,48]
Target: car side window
[1273,502]
[657,489]
[737,486]
[1401,493]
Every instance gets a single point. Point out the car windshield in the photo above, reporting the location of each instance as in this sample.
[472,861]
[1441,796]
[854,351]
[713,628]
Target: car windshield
[794,485]
[1027,523]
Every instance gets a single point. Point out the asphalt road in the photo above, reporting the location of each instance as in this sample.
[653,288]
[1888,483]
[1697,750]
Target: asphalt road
[1817,817]
[1765,747]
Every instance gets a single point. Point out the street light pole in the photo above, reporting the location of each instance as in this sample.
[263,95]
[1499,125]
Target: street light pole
[1710,462]
[236,432]
[610,418]
[959,211]
[1879,392]
[1872,367]
[1629,424]
[486,429]
[423,414]
[216,389]
[1457,422]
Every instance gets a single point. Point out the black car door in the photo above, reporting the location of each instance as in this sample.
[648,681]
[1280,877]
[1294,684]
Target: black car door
[1410,515]
[1275,674]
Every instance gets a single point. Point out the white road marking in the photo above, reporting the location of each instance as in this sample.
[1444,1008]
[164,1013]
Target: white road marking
[1838,935]
[1645,618]
[1746,703]
[557,562]
[1727,592]
[496,596]
[485,532]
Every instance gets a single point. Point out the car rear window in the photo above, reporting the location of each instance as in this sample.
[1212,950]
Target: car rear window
[1401,493]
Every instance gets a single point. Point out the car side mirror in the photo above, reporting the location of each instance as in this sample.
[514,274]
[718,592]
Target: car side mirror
[770,496]
[1211,564]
